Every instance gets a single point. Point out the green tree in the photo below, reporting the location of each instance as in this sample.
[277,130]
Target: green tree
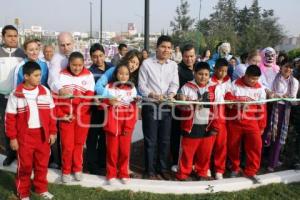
[182,21]
[257,28]
[246,29]
[182,27]
[294,53]
[221,25]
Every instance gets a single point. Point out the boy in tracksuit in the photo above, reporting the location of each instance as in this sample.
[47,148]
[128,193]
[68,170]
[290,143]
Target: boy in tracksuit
[222,81]
[31,128]
[120,123]
[199,126]
[247,122]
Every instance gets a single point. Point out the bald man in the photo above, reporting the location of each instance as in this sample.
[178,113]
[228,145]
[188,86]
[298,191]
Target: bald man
[58,63]
[60,60]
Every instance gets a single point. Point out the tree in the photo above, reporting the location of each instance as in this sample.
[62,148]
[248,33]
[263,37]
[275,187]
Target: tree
[258,28]
[182,27]
[182,22]
[221,24]
[246,29]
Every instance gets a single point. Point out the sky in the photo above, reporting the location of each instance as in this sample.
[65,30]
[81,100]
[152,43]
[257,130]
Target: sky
[74,15]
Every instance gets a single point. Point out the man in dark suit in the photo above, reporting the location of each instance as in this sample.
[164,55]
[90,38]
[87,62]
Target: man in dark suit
[122,50]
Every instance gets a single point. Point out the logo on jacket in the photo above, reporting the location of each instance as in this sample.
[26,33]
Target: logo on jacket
[83,82]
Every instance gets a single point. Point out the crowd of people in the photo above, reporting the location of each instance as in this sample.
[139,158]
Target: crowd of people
[200,115]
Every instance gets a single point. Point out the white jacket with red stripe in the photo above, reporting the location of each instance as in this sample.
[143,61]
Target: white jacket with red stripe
[18,113]
[126,111]
[82,85]
[203,115]
[222,87]
[248,116]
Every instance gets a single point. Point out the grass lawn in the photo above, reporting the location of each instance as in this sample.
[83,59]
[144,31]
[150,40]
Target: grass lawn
[61,192]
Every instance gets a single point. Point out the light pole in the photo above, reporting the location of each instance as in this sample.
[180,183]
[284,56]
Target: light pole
[91,20]
[199,43]
[101,21]
[142,18]
[146,35]
[200,10]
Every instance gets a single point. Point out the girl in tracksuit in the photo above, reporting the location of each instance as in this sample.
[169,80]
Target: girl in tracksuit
[199,126]
[74,114]
[121,119]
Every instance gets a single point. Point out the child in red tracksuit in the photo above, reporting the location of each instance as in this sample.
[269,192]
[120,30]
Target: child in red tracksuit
[74,114]
[121,119]
[31,128]
[199,126]
[223,84]
[246,122]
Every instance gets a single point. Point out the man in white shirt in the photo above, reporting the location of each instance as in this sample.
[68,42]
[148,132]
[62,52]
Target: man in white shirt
[57,64]
[10,56]
[158,81]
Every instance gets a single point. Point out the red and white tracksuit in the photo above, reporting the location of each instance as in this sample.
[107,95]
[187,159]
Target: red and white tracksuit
[34,147]
[246,123]
[220,145]
[73,134]
[196,150]
[119,126]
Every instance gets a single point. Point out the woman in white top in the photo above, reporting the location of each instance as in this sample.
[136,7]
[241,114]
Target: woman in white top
[284,86]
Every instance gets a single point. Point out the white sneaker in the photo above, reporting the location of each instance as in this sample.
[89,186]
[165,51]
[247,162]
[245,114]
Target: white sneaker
[25,198]
[46,195]
[78,176]
[112,181]
[219,176]
[124,180]
[66,178]
[209,173]
[174,168]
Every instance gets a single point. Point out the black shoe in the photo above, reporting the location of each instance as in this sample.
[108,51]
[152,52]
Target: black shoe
[8,160]
[254,179]
[54,166]
[297,166]
[150,176]
[166,176]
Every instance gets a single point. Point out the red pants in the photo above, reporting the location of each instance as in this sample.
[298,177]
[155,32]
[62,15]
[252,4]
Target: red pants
[73,137]
[253,144]
[34,154]
[197,150]
[117,155]
[220,150]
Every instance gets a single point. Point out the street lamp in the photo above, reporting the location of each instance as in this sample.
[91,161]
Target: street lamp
[142,18]
[146,35]
[91,20]
[101,22]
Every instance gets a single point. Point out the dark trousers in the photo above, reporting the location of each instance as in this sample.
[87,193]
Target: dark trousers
[55,156]
[295,138]
[95,143]
[156,124]
[175,137]
[5,140]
